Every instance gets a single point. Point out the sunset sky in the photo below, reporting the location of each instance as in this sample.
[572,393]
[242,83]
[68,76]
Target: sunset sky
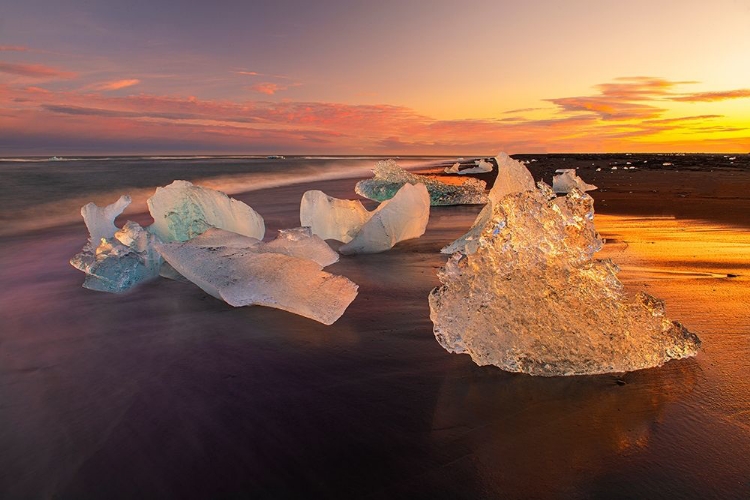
[377,77]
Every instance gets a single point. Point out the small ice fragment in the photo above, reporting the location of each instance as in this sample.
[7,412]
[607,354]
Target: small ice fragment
[389,178]
[666,164]
[614,168]
[403,217]
[100,221]
[567,179]
[182,211]
[120,262]
[452,169]
[530,297]
[332,218]
[599,169]
[482,167]
[243,276]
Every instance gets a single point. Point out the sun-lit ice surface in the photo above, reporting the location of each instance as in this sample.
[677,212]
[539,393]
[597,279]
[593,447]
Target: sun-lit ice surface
[389,178]
[482,167]
[241,272]
[524,293]
[567,179]
[182,211]
[332,218]
[403,217]
[115,261]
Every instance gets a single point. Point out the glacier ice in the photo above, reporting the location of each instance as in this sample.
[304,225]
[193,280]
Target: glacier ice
[512,177]
[182,211]
[403,217]
[300,242]
[332,218]
[482,166]
[453,169]
[525,294]
[389,178]
[119,262]
[100,221]
[232,268]
[567,179]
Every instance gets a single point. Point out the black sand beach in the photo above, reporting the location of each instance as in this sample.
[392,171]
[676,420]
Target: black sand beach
[165,392]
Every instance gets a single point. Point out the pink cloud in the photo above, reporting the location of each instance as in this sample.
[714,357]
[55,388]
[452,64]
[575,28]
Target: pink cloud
[34,71]
[14,48]
[266,88]
[115,85]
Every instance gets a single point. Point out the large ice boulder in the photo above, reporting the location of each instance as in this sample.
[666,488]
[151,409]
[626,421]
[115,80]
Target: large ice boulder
[241,272]
[332,218]
[403,217]
[566,179]
[524,293]
[182,211]
[389,178]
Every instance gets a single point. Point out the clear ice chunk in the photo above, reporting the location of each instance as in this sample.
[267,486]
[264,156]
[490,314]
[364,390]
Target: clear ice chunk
[566,179]
[332,218]
[100,221]
[389,178]
[120,262]
[403,217]
[234,269]
[530,298]
[182,211]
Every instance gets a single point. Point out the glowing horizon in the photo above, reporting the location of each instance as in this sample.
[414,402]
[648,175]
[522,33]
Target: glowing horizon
[472,77]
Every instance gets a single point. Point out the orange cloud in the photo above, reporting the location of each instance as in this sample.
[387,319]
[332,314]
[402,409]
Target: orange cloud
[34,71]
[14,48]
[713,96]
[115,85]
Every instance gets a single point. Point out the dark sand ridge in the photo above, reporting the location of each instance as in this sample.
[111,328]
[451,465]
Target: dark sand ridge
[168,392]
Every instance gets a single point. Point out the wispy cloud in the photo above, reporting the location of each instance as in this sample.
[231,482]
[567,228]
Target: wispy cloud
[115,85]
[713,96]
[14,48]
[627,115]
[34,71]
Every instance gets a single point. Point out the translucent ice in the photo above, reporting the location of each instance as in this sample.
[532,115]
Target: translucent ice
[528,297]
[482,167]
[230,267]
[331,218]
[567,179]
[512,177]
[100,221]
[401,218]
[182,211]
[389,178]
[120,262]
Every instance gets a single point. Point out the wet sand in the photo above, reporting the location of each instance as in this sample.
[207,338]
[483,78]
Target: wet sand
[166,392]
